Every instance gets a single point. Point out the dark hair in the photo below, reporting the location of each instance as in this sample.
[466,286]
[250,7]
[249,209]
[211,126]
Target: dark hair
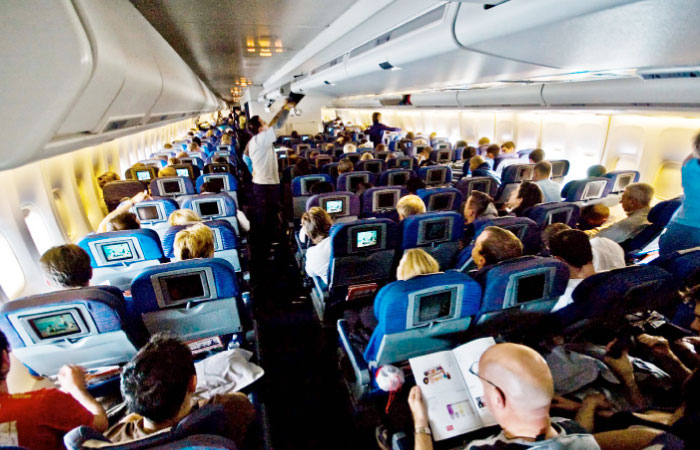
[254,124]
[321,188]
[460,143]
[543,168]
[593,215]
[469,153]
[537,155]
[123,221]
[67,265]
[691,394]
[154,383]
[500,245]
[375,117]
[319,222]
[494,150]
[573,246]
[596,171]
[480,201]
[210,187]
[531,195]
[551,230]
[197,140]
[413,184]
[345,165]
[4,347]
[302,167]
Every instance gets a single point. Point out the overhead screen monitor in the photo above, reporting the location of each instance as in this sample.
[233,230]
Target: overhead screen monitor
[434,306]
[117,251]
[143,175]
[334,206]
[58,324]
[385,200]
[594,190]
[435,231]
[440,202]
[147,213]
[209,208]
[531,288]
[182,172]
[183,288]
[218,182]
[171,187]
[436,176]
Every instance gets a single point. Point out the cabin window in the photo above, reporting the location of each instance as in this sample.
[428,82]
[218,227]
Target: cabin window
[37,228]
[12,278]
[667,184]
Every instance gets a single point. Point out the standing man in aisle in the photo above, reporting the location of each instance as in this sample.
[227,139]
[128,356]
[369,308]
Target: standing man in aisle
[266,180]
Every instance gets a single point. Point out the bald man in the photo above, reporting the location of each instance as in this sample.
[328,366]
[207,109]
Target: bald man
[518,390]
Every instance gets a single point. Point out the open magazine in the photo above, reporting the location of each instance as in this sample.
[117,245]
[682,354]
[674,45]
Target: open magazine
[453,396]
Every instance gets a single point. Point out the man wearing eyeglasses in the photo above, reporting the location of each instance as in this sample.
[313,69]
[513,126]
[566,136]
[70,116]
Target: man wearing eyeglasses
[518,390]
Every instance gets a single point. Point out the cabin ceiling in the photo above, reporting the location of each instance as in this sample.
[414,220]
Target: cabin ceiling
[213,36]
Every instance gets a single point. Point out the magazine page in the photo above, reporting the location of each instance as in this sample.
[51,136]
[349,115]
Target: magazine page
[450,407]
[468,355]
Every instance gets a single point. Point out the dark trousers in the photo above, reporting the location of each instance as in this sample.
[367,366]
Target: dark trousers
[266,207]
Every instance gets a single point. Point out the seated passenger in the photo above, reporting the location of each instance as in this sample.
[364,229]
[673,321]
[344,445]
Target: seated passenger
[366,156]
[537,156]
[123,221]
[593,217]
[607,255]
[37,420]
[317,225]
[66,267]
[322,187]
[479,206]
[158,385]
[194,147]
[183,217]
[518,391]
[596,171]
[468,154]
[167,171]
[349,148]
[480,168]
[635,201]
[492,152]
[528,195]
[107,177]
[389,157]
[494,245]
[119,219]
[211,188]
[410,205]
[508,147]
[167,146]
[423,155]
[416,262]
[173,161]
[196,241]
[573,248]
[550,189]
[483,141]
[181,155]
[345,166]
[381,148]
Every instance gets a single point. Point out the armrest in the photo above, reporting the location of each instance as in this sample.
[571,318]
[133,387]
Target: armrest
[357,360]
[321,287]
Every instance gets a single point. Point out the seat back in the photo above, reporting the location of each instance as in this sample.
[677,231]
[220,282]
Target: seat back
[659,216]
[194,161]
[186,170]
[145,174]
[395,177]
[554,212]
[225,181]
[154,213]
[441,155]
[301,187]
[619,180]
[438,233]
[524,228]
[682,264]
[560,169]
[353,157]
[362,252]
[403,162]
[504,160]
[155,162]
[76,326]
[217,168]
[330,169]
[422,315]
[350,180]
[341,206]
[213,206]
[585,190]
[441,199]
[486,185]
[172,186]
[435,175]
[192,299]
[322,160]
[114,191]
[511,177]
[117,257]
[226,242]
[381,202]
[530,284]
[375,166]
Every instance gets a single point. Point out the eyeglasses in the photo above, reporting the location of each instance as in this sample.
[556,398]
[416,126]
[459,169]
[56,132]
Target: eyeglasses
[474,371]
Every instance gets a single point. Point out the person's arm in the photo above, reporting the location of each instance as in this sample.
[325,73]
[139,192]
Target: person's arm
[424,441]
[72,381]
[616,232]
[622,367]
[122,208]
[587,412]
[281,117]
[668,360]
[243,220]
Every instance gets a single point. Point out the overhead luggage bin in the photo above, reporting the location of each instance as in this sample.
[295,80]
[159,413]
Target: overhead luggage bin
[524,96]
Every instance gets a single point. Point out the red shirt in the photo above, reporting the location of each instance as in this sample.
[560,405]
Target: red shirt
[38,420]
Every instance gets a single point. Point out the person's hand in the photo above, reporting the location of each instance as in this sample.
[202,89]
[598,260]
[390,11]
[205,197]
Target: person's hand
[71,378]
[690,342]
[596,401]
[658,345]
[622,366]
[141,196]
[565,404]
[418,409]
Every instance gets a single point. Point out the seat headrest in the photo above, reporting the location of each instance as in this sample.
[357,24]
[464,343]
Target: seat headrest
[117,248]
[171,186]
[431,228]
[301,185]
[662,212]
[560,168]
[682,264]
[435,175]
[224,236]
[381,199]
[155,210]
[226,181]
[487,185]
[362,236]
[336,204]
[114,191]
[395,177]
[619,179]
[515,173]
[441,199]
[585,189]
[376,166]
[348,181]
[554,212]
[403,162]
[211,205]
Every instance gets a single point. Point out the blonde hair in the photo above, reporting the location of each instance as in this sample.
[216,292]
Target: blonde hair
[168,171]
[107,177]
[168,145]
[484,141]
[196,241]
[193,147]
[475,162]
[183,217]
[416,262]
[316,222]
[366,156]
[349,148]
[410,205]
[226,139]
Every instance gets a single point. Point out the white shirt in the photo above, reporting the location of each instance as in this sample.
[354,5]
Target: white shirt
[242,220]
[607,254]
[566,298]
[265,170]
[550,189]
[318,258]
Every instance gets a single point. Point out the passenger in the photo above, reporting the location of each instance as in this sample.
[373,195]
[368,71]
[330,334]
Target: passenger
[410,205]
[508,147]
[573,248]
[635,201]
[158,385]
[527,195]
[376,131]
[107,177]
[168,146]
[480,168]
[193,147]
[173,161]
[317,224]
[414,184]
[536,156]
[168,171]
[416,262]
[366,156]
[197,140]
[345,166]
[683,231]
[211,188]
[494,245]
[196,241]
[66,267]
[349,148]
[380,148]
[183,217]
[518,390]
[593,217]
[226,139]
[423,155]
[37,420]
[461,144]
[492,152]
[479,206]
[468,154]
[607,255]
[596,171]
[322,187]
[483,141]
[302,166]
[389,156]
[116,220]
[123,221]
[550,189]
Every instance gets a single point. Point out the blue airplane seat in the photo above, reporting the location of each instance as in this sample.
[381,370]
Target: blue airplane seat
[83,326]
[511,177]
[353,157]
[155,162]
[213,206]
[487,185]
[442,155]
[395,177]
[526,229]
[192,299]
[585,190]
[168,153]
[381,202]
[301,190]
[560,169]
[554,212]
[117,257]
[403,162]
[441,199]
[362,252]
[341,206]
[376,166]
[438,233]
[435,176]
[682,264]
[504,160]
[194,161]
[348,181]
[226,181]
[659,216]
[332,170]
[531,284]
[440,142]
[322,160]
[524,153]
[154,213]
[226,242]
[457,154]
[425,314]
[619,180]
[172,186]
[609,296]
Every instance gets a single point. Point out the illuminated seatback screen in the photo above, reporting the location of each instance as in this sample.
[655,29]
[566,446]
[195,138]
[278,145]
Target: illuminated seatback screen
[117,252]
[56,325]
